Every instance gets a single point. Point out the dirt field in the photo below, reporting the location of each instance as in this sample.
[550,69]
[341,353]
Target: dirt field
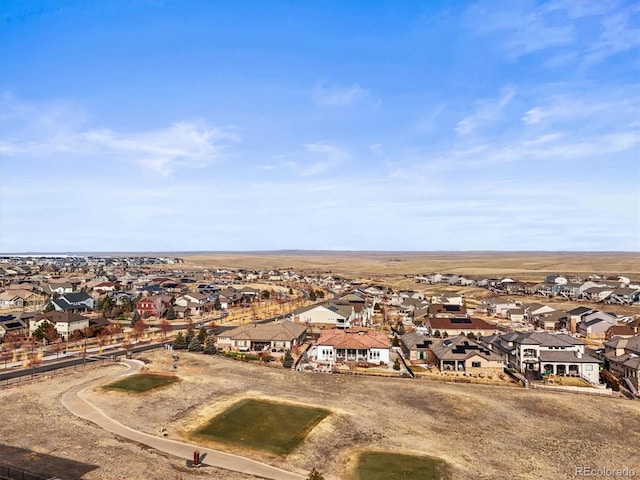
[483,432]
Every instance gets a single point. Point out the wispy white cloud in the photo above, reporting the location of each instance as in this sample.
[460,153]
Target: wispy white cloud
[487,111]
[49,130]
[339,96]
[522,28]
[316,158]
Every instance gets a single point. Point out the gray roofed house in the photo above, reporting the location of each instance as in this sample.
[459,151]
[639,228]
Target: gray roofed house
[74,302]
[460,354]
[416,346]
[525,352]
[622,354]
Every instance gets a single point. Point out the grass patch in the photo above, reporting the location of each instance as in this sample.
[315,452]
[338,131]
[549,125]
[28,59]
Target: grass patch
[270,426]
[382,466]
[141,383]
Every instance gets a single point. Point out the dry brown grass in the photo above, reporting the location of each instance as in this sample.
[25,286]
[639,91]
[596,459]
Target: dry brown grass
[483,432]
[524,265]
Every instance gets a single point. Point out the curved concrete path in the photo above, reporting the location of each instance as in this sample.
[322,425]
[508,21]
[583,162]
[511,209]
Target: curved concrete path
[83,409]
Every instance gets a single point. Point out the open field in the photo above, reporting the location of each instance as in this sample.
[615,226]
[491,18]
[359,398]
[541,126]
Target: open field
[523,265]
[275,427]
[481,432]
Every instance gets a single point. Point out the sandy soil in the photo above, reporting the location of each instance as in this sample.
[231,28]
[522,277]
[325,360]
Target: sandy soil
[483,432]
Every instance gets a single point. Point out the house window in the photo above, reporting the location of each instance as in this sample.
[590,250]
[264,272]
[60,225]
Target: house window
[476,364]
[588,368]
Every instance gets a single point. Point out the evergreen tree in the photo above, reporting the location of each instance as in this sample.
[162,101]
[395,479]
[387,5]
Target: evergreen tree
[217,305]
[180,343]
[202,335]
[209,346]
[190,336]
[171,314]
[195,345]
[395,342]
[396,364]
[287,362]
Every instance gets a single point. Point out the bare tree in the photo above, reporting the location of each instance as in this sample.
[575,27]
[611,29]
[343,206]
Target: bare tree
[159,305]
[139,328]
[165,327]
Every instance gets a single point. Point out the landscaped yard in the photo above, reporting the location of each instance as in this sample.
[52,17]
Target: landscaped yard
[383,465]
[275,427]
[141,382]
[568,381]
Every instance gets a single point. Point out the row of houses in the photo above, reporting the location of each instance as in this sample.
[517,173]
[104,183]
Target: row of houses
[620,290]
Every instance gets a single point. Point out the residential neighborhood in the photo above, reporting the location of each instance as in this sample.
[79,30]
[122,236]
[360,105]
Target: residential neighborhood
[331,323]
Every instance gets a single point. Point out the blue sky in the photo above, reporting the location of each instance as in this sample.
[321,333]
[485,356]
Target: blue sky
[262,125]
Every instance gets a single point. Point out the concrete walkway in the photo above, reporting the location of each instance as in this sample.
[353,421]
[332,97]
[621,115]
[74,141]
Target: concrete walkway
[83,409]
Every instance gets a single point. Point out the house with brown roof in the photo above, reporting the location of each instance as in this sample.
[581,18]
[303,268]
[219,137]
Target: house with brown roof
[259,337]
[442,310]
[454,326]
[65,322]
[352,345]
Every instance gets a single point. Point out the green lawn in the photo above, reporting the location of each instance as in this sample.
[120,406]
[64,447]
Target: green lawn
[383,466]
[141,382]
[270,426]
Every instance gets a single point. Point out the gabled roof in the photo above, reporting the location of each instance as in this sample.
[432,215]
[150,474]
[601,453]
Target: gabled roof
[61,317]
[280,331]
[461,348]
[545,339]
[354,339]
[459,323]
[416,341]
[566,356]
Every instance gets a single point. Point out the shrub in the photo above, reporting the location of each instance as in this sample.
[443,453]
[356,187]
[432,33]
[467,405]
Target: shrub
[396,364]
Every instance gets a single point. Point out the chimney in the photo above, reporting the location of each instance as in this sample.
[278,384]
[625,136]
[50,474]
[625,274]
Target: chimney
[579,354]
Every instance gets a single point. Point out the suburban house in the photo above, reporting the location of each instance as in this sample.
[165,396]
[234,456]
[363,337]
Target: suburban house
[257,337]
[575,317]
[59,288]
[13,323]
[595,324]
[454,326]
[353,345]
[330,315]
[10,299]
[498,306]
[439,310]
[460,354]
[416,346]
[65,322]
[534,309]
[623,357]
[624,296]
[194,303]
[515,314]
[555,320]
[149,305]
[549,353]
[74,302]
